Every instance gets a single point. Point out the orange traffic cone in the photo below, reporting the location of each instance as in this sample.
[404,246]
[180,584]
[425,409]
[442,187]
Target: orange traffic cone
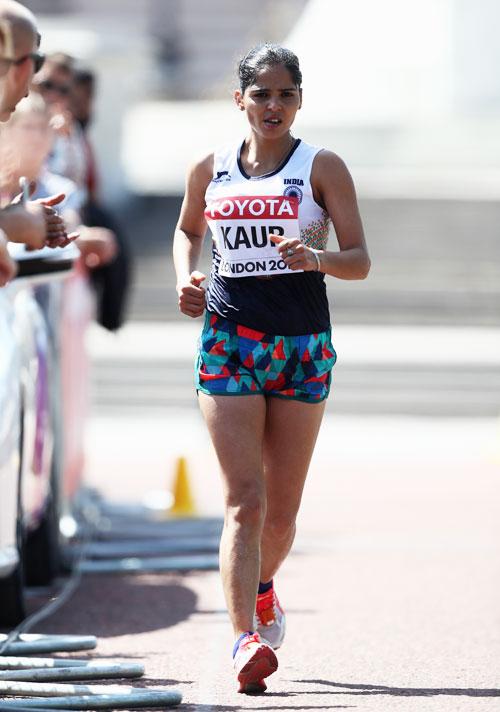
[183,505]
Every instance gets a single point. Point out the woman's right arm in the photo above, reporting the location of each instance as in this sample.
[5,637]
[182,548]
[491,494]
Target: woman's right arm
[188,239]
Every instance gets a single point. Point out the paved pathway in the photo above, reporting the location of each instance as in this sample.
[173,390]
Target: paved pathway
[391,591]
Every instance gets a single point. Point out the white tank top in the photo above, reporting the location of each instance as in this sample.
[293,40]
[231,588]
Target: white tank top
[242,210]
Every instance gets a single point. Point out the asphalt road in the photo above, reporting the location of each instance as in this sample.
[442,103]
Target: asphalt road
[391,591]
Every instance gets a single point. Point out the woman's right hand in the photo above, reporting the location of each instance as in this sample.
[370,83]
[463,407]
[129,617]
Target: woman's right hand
[192,295]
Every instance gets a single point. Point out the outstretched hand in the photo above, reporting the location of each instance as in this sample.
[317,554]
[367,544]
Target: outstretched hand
[98,246]
[38,222]
[56,227]
[192,295]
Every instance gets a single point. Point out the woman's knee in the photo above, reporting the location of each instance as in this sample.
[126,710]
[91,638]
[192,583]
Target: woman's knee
[280,527]
[248,510]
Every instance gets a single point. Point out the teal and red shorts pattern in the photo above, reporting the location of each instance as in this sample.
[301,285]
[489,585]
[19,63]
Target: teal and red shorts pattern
[235,360]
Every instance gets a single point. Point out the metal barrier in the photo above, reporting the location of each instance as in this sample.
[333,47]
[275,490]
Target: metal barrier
[10,663]
[126,538]
[133,538]
[27,644]
[119,549]
[32,678]
[89,672]
[119,529]
[151,565]
[151,698]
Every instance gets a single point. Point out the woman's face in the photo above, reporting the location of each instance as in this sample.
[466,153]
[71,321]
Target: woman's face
[271,102]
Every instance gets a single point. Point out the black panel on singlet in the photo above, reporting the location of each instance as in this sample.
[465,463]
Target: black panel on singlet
[288,304]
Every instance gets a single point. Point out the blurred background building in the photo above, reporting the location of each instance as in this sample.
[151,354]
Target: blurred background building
[408,93]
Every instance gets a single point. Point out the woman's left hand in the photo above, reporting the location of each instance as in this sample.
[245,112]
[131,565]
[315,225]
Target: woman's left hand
[295,254]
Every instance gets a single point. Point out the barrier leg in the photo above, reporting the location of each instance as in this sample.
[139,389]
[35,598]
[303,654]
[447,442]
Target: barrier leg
[90,672]
[152,698]
[28,643]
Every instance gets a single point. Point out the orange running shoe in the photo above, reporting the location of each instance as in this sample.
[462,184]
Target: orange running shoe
[253,661]
[270,621]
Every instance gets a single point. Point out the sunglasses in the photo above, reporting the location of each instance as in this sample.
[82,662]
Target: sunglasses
[37,57]
[49,85]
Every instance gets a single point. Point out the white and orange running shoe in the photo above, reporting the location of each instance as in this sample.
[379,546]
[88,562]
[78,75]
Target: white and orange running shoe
[253,661]
[270,621]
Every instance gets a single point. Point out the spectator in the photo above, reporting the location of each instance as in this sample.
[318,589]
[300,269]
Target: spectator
[112,281]
[27,141]
[35,223]
[55,82]
[68,155]
[24,146]
[25,59]
[68,303]
[82,108]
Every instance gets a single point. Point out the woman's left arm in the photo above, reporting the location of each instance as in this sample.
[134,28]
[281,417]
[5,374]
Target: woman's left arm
[333,188]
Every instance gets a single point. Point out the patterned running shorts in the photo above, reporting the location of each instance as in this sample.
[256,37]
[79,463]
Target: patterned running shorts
[236,360]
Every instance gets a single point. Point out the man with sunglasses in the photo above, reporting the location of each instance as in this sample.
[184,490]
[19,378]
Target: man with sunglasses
[24,59]
[35,223]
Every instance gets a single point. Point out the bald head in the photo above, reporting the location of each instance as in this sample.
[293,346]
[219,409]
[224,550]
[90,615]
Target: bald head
[21,22]
[18,25]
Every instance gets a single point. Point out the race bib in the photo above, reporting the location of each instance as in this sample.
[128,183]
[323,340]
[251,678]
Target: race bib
[241,226]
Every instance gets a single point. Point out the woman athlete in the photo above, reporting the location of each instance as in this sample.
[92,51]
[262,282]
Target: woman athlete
[265,356]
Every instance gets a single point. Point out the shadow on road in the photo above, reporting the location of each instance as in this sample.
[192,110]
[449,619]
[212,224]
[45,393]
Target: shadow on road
[397,691]
[231,708]
[110,606]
